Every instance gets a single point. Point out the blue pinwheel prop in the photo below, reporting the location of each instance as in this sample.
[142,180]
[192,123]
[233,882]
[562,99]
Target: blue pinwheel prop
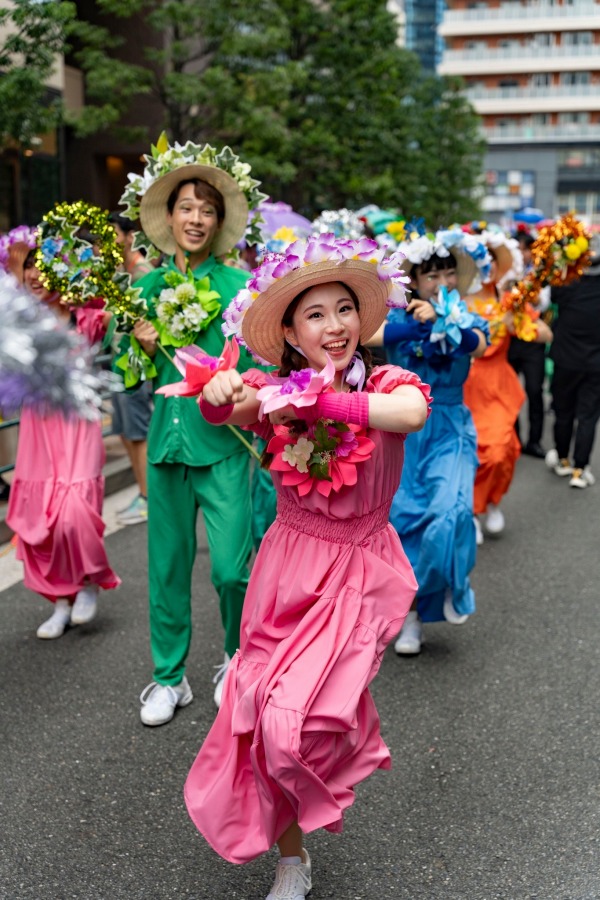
[452,315]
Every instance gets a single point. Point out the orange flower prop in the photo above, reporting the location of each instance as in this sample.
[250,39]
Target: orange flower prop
[560,255]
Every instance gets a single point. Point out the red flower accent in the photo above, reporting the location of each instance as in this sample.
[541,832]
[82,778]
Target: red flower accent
[330,472]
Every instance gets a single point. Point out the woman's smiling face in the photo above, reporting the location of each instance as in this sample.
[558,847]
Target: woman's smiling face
[325,323]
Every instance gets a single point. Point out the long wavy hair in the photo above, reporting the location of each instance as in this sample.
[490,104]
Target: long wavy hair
[293,361]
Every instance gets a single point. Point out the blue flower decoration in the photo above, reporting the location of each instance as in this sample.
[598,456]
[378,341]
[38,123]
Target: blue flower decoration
[452,315]
[416,225]
[84,253]
[50,247]
[478,252]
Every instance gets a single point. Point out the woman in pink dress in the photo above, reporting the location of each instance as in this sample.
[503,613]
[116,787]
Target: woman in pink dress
[55,506]
[331,585]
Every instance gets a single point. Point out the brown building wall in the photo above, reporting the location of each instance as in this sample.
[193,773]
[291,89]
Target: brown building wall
[96,167]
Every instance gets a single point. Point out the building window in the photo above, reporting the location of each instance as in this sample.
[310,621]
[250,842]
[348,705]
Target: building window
[543,40]
[574,118]
[540,119]
[573,78]
[577,38]
[507,190]
[541,79]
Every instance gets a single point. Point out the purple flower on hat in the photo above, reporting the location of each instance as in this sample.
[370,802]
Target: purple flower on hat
[304,253]
[233,315]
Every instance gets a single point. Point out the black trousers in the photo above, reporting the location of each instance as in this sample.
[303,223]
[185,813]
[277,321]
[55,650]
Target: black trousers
[529,358]
[576,398]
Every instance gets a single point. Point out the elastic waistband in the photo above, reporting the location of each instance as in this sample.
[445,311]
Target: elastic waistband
[337,531]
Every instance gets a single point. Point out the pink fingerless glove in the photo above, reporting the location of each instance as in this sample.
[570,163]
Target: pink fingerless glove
[352,408]
[215,415]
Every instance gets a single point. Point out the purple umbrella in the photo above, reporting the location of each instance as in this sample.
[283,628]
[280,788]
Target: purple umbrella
[281,215]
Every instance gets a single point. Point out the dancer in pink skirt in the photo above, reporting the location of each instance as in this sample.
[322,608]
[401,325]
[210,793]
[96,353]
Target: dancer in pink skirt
[55,505]
[331,585]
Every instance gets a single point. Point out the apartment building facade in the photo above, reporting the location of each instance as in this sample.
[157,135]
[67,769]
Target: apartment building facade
[532,71]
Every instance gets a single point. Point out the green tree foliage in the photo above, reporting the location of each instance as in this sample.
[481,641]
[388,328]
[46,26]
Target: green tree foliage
[316,94]
[35,34]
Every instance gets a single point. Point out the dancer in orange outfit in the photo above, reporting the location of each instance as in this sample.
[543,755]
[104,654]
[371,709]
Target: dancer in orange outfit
[493,391]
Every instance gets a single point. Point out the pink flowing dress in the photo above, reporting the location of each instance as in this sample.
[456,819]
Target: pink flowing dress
[297,728]
[55,505]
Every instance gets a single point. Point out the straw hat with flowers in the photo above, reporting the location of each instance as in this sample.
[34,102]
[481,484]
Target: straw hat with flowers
[255,315]
[145,197]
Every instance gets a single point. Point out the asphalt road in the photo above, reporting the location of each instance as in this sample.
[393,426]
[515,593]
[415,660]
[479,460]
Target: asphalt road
[494,732]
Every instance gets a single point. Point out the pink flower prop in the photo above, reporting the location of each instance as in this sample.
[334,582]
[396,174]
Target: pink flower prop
[300,389]
[197,368]
[355,448]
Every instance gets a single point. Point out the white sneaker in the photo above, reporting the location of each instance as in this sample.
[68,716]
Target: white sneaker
[136,512]
[54,627]
[219,680]
[478,531]
[450,613]
[292,880]
[160,700]
[581,478]
[408,642]
[85,607]
[494,520]
[560,467]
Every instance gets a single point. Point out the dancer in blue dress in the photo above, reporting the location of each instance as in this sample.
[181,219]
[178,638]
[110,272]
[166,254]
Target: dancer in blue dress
[433,508]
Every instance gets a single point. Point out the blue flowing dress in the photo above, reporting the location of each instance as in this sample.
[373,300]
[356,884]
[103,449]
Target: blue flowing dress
[432,510]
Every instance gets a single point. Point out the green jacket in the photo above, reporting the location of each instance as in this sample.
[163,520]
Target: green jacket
[178,433]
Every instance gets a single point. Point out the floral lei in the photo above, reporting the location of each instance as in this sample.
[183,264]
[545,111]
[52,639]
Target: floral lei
[69,265]
[164,158]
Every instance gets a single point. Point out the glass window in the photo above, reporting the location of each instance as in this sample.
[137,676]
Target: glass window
[573,78]
[544,39]
[541,79]
[573,118]
[577,38]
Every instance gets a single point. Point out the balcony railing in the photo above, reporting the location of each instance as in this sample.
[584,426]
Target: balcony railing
[533,92]
[536,11]
[573,132]
[522,51]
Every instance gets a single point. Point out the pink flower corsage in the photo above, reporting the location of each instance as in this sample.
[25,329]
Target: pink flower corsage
[197,368]
[324,456]
[301,388]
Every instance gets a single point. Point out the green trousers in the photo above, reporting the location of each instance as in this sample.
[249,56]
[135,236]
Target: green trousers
[175,493]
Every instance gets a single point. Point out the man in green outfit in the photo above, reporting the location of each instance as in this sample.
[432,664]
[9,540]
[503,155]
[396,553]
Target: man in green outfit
[196,212]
